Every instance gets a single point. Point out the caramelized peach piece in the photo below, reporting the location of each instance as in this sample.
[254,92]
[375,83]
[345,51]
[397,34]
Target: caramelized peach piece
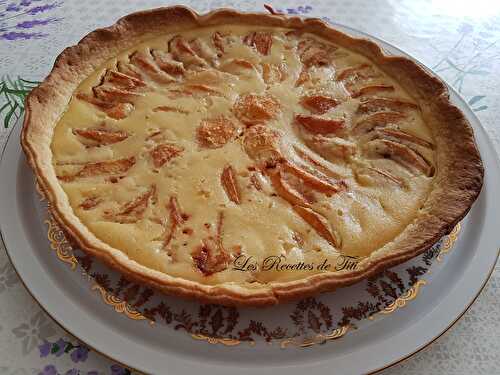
[164,153]
[319,223]
[204,51]
[166,108]
[182,51]
[261,41]
[380,104]
[218,42]
[211,257]
[403,137]
[109,167]
[166,63]
[176,219]
[215,133]
[320,165]
[254,180]
[381,173]
[123,81]
[130,70]
[318,104]
[253,109]
[303,77]
[116,111]
[274,73]
[145,62]
[201,88]
[377,120]
[354,72]
[373,89]
[112,94]
[401,154]
[262,144]
[315,180]
[90,203]
[230,184]
[314,53]
[134,210]
[319,125]
[102,136]
[285,190]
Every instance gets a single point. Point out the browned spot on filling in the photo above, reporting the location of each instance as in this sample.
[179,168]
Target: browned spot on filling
[166,108]
[274,73]
[134,210]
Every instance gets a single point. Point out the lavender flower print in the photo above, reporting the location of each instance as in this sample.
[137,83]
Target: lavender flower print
[45,349]
[48,370]
[80,354]
[21,20]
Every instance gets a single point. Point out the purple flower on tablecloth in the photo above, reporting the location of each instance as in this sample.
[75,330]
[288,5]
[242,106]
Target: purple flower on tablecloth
[301,9]
[119,370]
[80,354]
[48,370]
[16,18]
[45,348]
[58,347]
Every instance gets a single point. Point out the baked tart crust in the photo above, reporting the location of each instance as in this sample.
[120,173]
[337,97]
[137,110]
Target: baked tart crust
[335,147]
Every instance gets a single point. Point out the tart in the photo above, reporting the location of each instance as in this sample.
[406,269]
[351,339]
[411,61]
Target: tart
[247,159]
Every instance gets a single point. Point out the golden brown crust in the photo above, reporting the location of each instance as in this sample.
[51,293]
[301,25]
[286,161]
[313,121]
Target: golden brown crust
[457,183]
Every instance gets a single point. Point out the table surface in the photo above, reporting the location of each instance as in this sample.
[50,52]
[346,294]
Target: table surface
[458,39]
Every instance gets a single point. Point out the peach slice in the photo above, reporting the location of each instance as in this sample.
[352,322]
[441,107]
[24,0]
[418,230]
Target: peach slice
[112,94]
[102,136]
[401,154]
[403,137]
[381,173]
[90,203]
[130,70]
[215,133]
[166,108]
[108,167]
[145,62]
[182,51]
[253,109]
[316,162]
[319,223]
[303,77]
[165,152]
[261,41]
[262,144]
[218,41]
[116,111]
[133,211]
[176,219]
[166,63]
[123,81]
[314,53]
[354,72]
[319,125]
[203,50]
[373,89]
[376,120]
[211,257]
[274,73]
[285,190]
[315,180]
[380,104]
[230,184]
[318,104]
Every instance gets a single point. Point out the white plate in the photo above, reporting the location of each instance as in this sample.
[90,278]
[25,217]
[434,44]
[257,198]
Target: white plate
[448,287]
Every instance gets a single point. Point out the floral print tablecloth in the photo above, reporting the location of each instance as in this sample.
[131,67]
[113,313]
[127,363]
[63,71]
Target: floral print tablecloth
[460,40]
